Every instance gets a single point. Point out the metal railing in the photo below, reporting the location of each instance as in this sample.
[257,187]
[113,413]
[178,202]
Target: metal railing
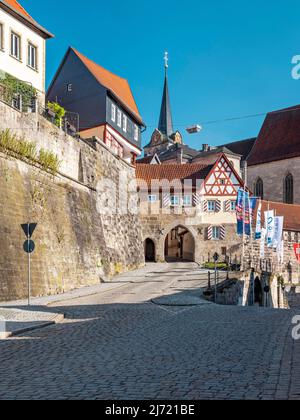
[17,100]
[69,123]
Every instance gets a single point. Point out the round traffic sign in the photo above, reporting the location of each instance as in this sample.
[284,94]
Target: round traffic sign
[29,246]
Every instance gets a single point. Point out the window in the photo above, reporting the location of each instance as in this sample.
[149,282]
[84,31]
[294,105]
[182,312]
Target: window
[216,233]
[113,112]
[211,206]
[187,200]
[119,118]
[259,188]
[32,56]
[233,206]
[152,198]
[15,46]
[1,36]
[136,133]
[175,200]
[289,189]
[125,123]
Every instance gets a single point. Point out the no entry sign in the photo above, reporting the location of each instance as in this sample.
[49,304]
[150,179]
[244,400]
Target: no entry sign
[297,252]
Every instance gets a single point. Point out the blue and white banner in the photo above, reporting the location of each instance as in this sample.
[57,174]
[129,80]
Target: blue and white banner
[258,223]
[263,242]
[243,213]
[270,227]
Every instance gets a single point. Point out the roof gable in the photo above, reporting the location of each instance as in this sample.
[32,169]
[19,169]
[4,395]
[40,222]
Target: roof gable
[279,137]
[223,180]
[118,86]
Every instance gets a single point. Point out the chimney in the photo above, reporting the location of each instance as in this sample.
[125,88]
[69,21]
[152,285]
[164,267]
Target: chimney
[205,148]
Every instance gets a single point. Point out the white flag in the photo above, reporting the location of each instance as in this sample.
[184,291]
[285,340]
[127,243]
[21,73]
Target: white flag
[262,242]
[270,227]
[280,252]
[278,232]
[258,223]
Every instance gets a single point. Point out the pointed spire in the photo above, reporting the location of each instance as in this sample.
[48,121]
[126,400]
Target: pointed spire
[165,125]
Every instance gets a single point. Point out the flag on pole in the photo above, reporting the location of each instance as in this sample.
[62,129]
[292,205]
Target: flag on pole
[247,212]
[262,242]
[270,227]
[240,212]
[278,231]
[258,223]
[280,252]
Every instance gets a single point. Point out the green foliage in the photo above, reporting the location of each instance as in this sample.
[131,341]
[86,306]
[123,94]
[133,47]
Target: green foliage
[26,150]
[211,266]
[15,87]
[58,110]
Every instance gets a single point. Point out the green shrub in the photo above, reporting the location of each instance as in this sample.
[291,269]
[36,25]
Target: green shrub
[18,87]
[59,112]
[26,150]
[211,266]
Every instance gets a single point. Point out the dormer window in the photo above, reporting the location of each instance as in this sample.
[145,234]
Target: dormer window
[119,118]
[125,123]
[15,46]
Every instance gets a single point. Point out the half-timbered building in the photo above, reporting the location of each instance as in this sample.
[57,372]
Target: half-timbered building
[188,211]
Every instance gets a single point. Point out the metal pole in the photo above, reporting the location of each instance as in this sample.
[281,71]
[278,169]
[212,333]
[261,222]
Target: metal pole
[29,269]
[215,282]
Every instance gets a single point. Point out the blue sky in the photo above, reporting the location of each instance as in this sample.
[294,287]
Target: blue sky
[227,58]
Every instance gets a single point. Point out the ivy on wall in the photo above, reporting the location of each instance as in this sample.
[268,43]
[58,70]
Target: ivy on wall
[14,87]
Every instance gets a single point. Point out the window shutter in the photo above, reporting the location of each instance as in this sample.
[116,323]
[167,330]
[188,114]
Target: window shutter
[166,202]
[222,233]
[209,233]
[196,200]
[218,206]
[228,206]
[205,206]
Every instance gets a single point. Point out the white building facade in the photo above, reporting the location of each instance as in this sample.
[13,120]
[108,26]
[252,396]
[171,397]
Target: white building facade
[22,46]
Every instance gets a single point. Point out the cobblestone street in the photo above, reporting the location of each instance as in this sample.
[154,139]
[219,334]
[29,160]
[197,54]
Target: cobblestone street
[122,345]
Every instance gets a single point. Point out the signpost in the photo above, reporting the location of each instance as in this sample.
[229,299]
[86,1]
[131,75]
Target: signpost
[297,254]
[29,247]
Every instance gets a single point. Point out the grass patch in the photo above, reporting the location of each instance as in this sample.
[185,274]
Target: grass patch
[15,146]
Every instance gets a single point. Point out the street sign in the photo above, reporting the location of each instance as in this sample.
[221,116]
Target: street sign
[28,229]
[29,246]
[297,252]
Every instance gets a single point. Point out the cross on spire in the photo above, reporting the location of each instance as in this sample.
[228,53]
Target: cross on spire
[165,125]
[166,59]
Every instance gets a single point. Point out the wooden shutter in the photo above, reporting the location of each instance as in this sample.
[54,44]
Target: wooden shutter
[209,233]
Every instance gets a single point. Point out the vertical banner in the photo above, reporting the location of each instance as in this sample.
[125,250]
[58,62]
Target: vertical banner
[240,212]
[270,227]
[278,232]
[262,242]
[280,252]
[258,223]
[247,213]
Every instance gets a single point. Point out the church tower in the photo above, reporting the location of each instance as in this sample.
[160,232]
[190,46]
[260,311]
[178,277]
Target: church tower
[164,137]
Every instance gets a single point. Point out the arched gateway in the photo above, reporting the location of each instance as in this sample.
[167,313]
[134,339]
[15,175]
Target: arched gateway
[179,245]
[149,250]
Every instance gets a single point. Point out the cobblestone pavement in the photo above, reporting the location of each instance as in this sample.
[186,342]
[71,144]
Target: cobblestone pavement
[120,345]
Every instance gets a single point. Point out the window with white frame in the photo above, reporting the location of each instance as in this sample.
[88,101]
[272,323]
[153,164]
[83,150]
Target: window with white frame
[113,112]
[136,132]
[187,200]
[216,233]
[119,118]
[152,198]
[1,36]
[32,56]
[15,46]
[125,122]
[211,206]
[175,200]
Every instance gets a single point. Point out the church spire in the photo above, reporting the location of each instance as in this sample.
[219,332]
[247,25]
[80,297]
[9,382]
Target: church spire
[165,125]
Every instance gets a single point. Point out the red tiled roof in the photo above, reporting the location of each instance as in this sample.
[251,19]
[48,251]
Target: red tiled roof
[174,172]
[15,5]
[117,85]
[290,212]
[279,137]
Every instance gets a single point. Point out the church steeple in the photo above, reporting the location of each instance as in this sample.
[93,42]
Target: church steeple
[165,125]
